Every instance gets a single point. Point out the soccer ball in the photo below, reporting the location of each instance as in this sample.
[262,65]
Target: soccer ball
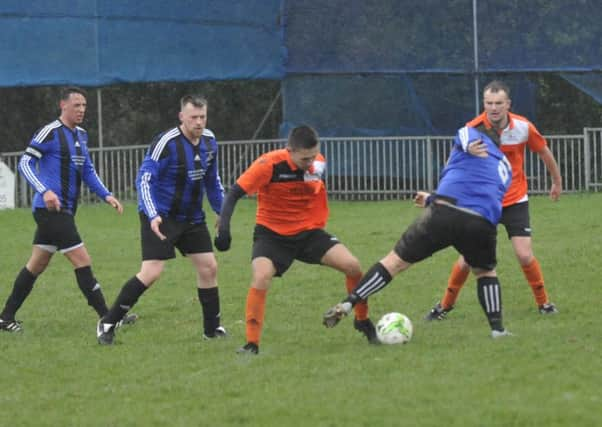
[394,328]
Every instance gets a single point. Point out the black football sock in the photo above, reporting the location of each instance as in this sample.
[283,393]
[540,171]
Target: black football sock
[373,281]
[21,289]
[130,292]
[490,297]
[209,299]
[91,290]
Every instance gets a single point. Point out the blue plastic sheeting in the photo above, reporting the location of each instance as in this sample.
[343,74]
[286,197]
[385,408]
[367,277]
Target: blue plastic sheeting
[590,83]
[542,35]
[353,105]
[402,67]
[384,36]
[97,42]
[397,36]
[101,42]
[390,105]
[75,8]
[350,67]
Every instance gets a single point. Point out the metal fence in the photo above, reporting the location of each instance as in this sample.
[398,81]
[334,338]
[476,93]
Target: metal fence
[358,168]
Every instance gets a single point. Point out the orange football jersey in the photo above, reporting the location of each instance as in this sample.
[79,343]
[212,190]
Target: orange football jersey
[518,134]
[289,200]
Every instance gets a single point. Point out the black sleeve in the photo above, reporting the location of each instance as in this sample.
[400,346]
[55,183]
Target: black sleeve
[235,193]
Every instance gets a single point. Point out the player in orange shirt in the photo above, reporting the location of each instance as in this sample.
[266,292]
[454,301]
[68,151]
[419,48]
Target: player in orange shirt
[292,210]
[514,133]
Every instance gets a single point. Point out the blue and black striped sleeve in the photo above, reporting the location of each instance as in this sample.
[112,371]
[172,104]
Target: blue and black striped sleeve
[91,178]
[38,147]
[213,183]
[155,160]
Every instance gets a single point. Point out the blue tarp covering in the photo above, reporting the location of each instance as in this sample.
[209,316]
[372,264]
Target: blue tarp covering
[103,42]
[397,36]
[384,36]
[385,105]
[386,67]
[349,67]
[590,83]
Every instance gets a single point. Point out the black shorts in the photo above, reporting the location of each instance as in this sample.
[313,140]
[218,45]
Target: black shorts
[516,220]
[55,231]
[187,237]
[441,226]
[307,246]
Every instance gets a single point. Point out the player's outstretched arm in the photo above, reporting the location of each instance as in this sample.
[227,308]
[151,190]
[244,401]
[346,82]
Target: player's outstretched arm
[114,203]
[548,158]
[421,198]
[477,148]
[223,238]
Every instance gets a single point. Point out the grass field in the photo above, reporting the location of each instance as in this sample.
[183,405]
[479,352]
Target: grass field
[160,373]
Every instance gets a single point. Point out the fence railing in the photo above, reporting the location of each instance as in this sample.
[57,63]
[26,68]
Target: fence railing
[358,168]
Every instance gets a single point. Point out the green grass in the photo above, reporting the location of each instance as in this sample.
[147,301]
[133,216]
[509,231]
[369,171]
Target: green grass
[160,373]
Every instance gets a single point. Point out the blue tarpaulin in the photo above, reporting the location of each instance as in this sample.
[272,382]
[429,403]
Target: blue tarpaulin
[349,67]
[100,42]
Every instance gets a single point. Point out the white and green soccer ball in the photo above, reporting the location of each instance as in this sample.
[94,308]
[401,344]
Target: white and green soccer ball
[394,328]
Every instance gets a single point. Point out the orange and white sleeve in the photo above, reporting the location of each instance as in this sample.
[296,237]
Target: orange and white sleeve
[536,141]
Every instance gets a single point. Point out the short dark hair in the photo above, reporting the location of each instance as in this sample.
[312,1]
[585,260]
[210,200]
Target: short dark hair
[303,137]
[198,101]
[68,90]
[497,86]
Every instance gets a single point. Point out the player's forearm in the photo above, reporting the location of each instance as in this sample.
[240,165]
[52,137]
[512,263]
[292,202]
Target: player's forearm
[216,200]
[214,191]
[145,193]
[93,181]
[235,193]
[548,158]
[28,170]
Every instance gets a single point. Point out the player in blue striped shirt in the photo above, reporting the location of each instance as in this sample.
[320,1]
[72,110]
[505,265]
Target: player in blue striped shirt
[55,163]
[179,167]
[463,213]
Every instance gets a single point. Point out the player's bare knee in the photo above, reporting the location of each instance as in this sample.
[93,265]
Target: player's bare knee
[261,280]
[79,257]
[37,266]
[207,272]
[352,267]
[150,271]
[524,258]
[462,264]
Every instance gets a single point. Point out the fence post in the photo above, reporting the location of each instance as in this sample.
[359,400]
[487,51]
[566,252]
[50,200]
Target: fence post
[23,192]
[429,164]
[587,158]
[101,160]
